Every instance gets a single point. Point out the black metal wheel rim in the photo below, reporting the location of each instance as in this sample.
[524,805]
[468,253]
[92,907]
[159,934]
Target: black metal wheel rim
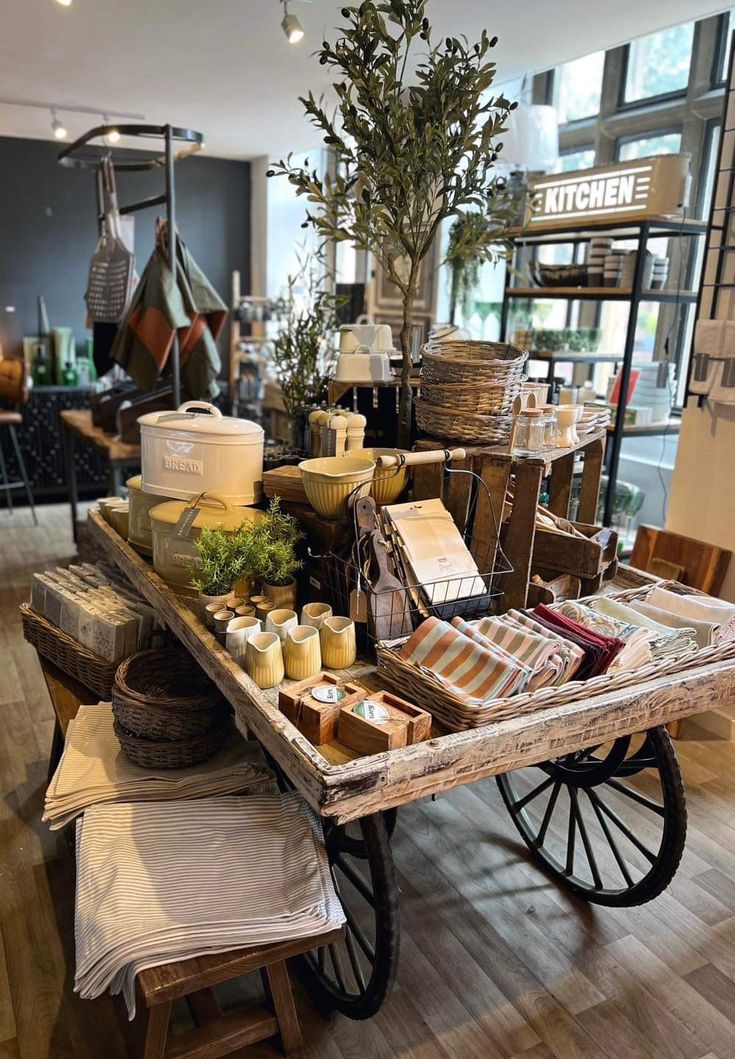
[608,822]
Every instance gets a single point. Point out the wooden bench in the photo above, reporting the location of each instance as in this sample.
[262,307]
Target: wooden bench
[216,1034]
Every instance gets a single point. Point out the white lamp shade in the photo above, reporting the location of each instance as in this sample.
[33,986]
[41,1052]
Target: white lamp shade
[531,139]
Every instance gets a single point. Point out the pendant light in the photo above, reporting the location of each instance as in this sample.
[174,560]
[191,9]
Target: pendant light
[291,26]
[64,3]
[58,128]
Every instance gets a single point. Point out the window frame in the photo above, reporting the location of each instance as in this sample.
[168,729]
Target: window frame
[624,104]
[631,137]
[721,52]
[554,86]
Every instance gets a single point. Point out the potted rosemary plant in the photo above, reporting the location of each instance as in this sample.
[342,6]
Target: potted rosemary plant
[272,559]
[223,563]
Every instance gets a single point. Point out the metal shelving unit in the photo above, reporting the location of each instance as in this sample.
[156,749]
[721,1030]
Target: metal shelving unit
[641,231]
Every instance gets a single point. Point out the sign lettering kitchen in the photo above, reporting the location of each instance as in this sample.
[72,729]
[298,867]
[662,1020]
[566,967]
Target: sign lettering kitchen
[625,190]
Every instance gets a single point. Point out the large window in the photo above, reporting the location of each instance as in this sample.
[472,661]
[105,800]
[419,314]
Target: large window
[570,161]
[579,87]
[658,65]
[645,146]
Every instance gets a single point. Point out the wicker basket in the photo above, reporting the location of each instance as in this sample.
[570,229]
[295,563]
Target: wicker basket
[457,714]
[93,672]
[179,754]
[481,400]
[154,722]
[452,363]
[167,679]
[453,425]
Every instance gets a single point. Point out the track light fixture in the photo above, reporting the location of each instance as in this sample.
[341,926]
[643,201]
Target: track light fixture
[291,26]
[58,127]
[113,136]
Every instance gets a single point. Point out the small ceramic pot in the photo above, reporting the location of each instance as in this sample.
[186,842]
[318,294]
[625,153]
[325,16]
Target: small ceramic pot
[283,596]
[239,631]
[210,610]
[205,601]
[233,602]
[280,620]
[302,654]
[255,600]
[263,609]
[221,620]
[338,642]
[314,614]
[245,611]
[264,659]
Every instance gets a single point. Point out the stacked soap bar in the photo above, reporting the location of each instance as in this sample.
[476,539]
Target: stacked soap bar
[96,607]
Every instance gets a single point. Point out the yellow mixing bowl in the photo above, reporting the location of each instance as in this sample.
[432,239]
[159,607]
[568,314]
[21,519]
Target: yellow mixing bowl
[388,482]
[329,480]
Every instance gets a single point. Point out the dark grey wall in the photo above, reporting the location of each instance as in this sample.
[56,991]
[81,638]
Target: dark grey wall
[48,230]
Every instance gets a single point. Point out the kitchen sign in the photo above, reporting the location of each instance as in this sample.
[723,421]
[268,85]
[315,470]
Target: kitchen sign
[620,192]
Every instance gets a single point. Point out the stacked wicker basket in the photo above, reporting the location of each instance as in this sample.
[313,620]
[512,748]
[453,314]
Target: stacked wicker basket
[167,713]
[468,389]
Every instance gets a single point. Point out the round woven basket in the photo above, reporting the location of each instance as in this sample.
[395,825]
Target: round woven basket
[167,679]
[179,754]
[155,722]
[490,365]
[462,426]
[482,400]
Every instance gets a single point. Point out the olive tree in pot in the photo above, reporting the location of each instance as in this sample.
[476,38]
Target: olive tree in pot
[415,140]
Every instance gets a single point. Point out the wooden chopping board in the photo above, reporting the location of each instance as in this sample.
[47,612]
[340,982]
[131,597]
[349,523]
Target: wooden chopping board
[285,482]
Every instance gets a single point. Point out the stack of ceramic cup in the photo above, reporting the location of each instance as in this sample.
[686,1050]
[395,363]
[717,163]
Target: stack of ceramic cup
[629,266]
[659,272]
[600,246]
[613,268]
[281,647]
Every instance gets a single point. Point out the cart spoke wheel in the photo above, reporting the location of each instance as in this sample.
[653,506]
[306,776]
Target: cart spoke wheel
[356,974]
[608,822]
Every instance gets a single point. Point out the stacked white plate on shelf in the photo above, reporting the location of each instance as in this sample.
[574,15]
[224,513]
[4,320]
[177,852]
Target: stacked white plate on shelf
[659,272]
[599,247]
[594,417]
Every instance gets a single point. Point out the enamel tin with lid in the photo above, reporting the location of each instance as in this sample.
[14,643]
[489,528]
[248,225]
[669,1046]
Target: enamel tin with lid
[196,448]
[173,554]
[139,525]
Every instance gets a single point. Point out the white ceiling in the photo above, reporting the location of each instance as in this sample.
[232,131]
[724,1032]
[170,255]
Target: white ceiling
[224,67]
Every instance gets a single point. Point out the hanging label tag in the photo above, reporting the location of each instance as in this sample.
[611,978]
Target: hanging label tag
[358,605]
[186,521]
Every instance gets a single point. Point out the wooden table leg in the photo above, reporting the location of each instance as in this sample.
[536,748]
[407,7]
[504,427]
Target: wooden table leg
[560,486]
[520,534]
[57,748]
[157,1031]
[282,997]
[589,490]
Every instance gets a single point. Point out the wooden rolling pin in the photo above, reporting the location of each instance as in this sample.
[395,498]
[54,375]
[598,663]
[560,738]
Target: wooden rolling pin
[413,459]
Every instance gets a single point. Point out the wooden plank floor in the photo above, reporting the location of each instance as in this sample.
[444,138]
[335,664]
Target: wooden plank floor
[497,963]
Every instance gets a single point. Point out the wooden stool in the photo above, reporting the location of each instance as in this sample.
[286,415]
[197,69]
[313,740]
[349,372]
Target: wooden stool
[215,1034]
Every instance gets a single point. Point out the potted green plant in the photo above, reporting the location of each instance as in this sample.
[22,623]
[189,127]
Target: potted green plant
[414,140]
[223,561]
[271,555]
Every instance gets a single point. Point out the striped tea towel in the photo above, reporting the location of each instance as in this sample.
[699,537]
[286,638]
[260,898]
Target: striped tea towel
[637,649]
[573,655]
[540,653]
[700,608]
[703,631]
[94,769]
[460,663]
[163,882]
[518,679]
[667,641]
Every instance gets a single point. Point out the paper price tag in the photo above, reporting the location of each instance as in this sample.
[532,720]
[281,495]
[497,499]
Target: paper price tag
[328,693]
[186,521]
[371,711]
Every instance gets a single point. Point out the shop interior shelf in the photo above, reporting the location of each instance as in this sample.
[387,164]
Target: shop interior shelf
[618,294]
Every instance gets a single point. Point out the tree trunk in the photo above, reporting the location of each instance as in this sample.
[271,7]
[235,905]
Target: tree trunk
[406,406]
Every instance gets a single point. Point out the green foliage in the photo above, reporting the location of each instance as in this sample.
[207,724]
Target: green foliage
[299,354]
[223,559]
[415,137]
[271,546]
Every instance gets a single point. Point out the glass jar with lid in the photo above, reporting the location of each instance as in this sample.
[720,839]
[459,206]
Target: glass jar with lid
[549,426]
[529,432]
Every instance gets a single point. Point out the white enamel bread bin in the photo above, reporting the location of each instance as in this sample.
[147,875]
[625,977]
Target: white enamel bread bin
[197,449]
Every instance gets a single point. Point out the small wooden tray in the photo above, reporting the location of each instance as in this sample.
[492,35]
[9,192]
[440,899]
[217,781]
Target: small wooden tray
[317,720]
[285,482]
[408,724]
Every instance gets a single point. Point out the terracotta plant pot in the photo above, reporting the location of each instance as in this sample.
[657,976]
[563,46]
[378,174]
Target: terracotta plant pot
[281,595]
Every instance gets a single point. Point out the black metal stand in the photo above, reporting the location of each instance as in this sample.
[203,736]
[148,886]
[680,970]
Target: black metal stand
[84,154]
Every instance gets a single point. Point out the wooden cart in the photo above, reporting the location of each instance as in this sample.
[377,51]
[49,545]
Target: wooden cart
[592,785]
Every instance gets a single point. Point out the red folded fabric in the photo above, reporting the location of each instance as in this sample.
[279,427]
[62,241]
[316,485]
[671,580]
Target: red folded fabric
[600,649]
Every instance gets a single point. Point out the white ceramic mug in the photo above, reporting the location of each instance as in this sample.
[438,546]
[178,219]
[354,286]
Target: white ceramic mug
[264,659]
[338,642]
[314,614]
[280,620]
[302,654]
[239,631]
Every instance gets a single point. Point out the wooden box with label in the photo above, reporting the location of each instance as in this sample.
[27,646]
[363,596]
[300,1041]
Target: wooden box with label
[382,722]
[313,705]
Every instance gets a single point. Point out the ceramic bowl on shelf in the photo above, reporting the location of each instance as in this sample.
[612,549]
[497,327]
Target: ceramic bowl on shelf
[329,481]
[388,482]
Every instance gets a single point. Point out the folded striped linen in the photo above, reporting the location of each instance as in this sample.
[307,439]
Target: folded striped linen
[667,641]
[163,882]
[473,633]
[700,608]
[540,653]
[600,649]
[703,631]
[462,664]
[93,769]
[572,655]
[637,648]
